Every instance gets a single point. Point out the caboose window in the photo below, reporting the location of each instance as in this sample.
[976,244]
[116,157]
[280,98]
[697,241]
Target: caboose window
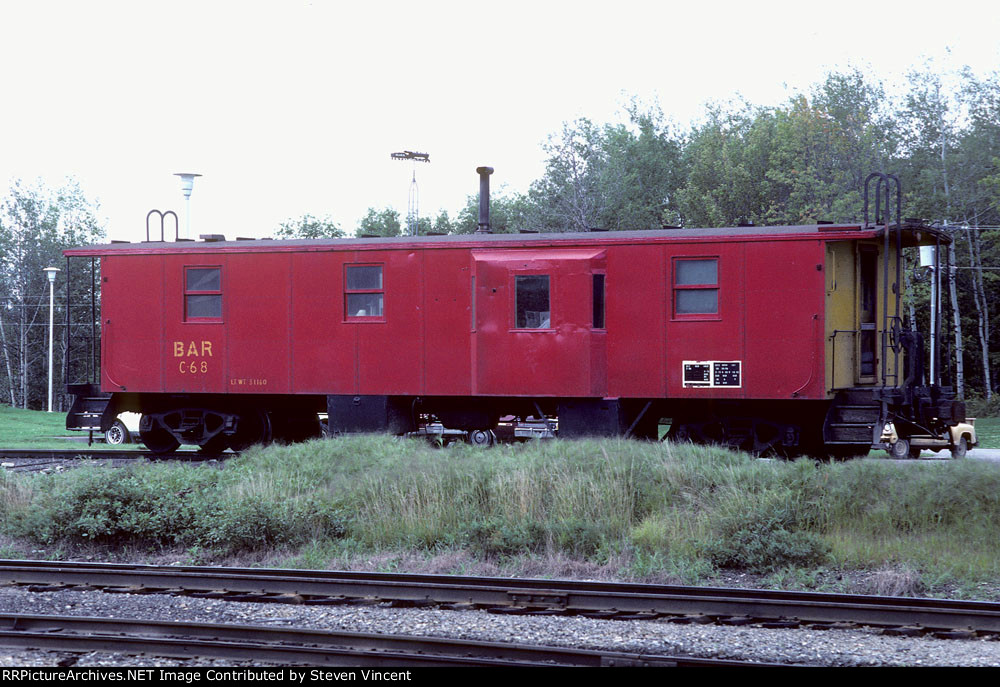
[364,292]
[532,301]
[203,293]
[598,301]
[696,286]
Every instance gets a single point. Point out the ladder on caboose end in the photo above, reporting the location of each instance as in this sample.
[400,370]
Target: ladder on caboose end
[892,325]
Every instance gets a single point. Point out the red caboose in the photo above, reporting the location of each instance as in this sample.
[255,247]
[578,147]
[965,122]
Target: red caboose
[758,337]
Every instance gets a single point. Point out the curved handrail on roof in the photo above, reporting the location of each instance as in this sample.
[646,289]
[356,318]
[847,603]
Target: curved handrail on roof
[163,215]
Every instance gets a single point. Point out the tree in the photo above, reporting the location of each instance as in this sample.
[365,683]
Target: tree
[799,163]
[442,224]
[620,176]
[309,227]
[383,222]
[36,224]
[568,197]
[727,160]
[508,213]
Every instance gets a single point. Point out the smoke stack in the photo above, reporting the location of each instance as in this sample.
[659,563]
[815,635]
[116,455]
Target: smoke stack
[484,200]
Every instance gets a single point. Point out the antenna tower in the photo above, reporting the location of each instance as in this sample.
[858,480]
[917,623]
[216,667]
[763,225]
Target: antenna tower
[413,206]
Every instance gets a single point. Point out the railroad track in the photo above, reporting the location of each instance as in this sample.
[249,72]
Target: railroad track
[941,617]
[281,646]
[32,460]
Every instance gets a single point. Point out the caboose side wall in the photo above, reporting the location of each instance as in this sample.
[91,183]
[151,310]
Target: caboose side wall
[447,327]
[784,320]
[770,321]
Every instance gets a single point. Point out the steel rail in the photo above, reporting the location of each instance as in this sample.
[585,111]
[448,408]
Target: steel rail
[105,454]
[313,586]
[303,646]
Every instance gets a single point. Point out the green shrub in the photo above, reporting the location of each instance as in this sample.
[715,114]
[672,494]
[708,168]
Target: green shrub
[112,507]
[250,524]
[498,537]
[765,546]
[156,506]
[579,538]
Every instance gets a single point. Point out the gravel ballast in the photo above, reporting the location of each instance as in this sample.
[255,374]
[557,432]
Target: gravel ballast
[856,647]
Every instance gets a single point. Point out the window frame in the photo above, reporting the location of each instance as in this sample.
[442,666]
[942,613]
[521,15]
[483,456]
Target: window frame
[604,300]
[715,287]
[551,289]
[191,319]
[348,292]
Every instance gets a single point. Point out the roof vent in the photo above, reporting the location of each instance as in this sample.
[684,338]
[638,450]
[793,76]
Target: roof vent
[212,238]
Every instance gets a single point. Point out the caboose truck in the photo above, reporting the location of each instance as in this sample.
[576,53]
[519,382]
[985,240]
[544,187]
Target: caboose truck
[783,340]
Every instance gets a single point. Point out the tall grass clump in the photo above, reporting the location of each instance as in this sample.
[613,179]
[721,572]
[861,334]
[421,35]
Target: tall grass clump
[936,515]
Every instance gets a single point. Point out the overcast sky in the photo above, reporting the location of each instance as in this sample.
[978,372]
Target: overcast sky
[290,108]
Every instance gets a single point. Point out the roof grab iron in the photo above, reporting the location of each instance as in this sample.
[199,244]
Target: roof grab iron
[888,180]
[163,215]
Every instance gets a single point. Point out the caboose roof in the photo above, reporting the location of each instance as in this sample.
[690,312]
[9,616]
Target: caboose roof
[914,234]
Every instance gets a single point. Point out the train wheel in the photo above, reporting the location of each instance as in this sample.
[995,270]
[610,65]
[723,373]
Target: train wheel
[159,440]
[482,437]
[253,427]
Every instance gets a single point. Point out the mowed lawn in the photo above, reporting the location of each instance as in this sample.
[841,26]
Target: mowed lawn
[35,429]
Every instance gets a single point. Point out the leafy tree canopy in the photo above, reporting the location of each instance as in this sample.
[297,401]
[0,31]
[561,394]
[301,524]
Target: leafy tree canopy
[309,227]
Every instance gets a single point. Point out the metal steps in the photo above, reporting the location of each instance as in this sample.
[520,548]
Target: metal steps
[854,418]
[89,403]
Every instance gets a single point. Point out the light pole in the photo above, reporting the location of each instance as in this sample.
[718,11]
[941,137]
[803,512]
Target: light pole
[928,258]
[50,272]
[187,183]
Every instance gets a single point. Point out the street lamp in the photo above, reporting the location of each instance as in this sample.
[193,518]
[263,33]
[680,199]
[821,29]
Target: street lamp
[929,258]
[187,183]
[51,274]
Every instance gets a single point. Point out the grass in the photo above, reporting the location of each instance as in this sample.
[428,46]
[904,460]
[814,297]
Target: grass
[988,432]
[34,429]
[615,509]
